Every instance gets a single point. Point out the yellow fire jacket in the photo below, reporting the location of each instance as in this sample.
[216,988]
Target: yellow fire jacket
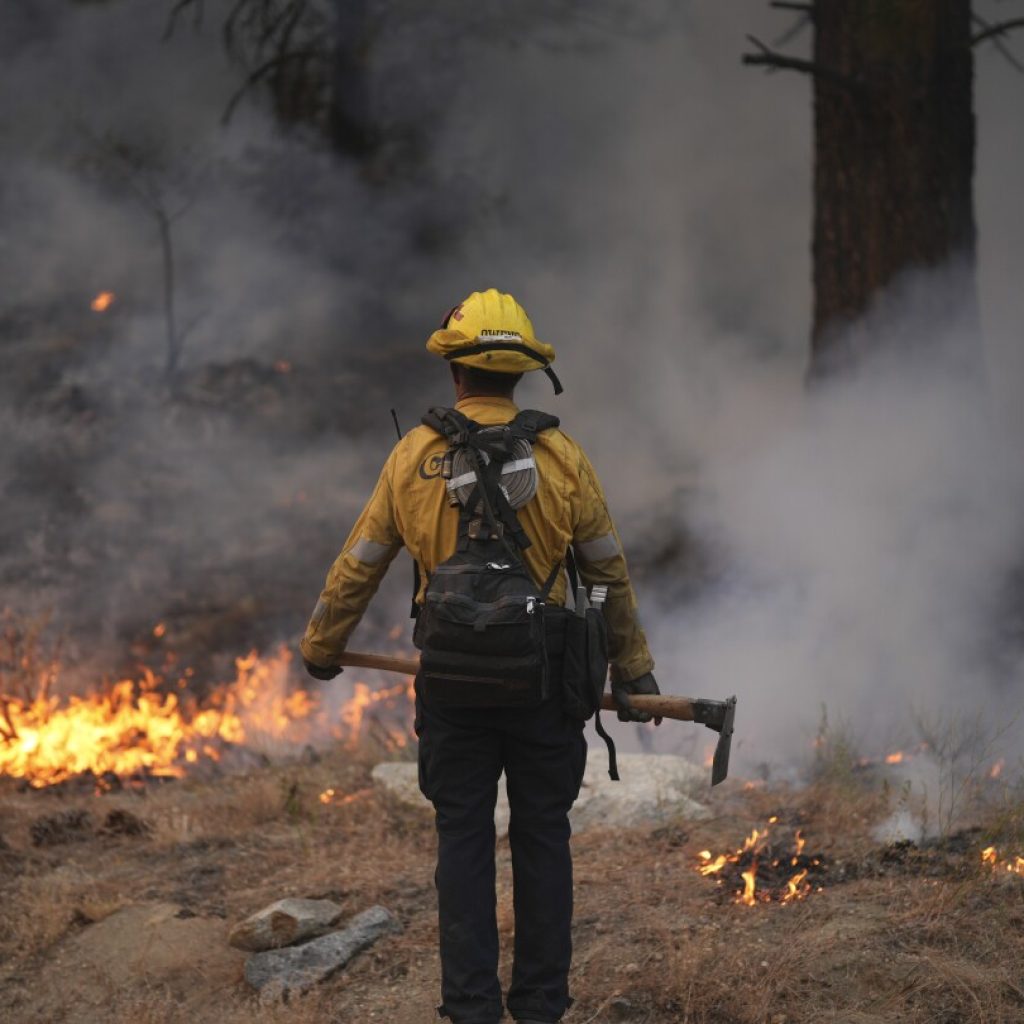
[410,507]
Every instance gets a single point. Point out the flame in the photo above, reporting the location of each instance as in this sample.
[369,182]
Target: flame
[796,887]
[138,727]
[749,885]
[997,769]
[755,849]
[990,857]
[354,712]
[102,302]
[329,796]
[159,630]
[751,841]
[713,866]
[897,757]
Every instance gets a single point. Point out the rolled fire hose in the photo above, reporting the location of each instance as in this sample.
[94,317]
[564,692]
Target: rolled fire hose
[518,474]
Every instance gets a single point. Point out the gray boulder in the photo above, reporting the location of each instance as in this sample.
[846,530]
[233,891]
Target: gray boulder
[284,923]
[653,788]
[277,973]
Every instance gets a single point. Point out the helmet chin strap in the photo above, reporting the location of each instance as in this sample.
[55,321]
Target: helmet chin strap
[509,346]
[553,377]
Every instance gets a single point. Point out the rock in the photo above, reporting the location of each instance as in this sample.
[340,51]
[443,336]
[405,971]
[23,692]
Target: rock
[653,788]
[400,779]
[278,972]
[283,924]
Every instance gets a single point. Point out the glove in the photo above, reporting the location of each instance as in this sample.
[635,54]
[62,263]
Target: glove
[320,671]
[622,691]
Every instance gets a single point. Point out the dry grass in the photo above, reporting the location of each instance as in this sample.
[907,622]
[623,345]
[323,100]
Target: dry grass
[655,942]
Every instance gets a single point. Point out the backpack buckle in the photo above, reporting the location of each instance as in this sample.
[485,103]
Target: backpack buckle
[478,530]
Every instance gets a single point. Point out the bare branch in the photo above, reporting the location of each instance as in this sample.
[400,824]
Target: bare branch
[773,61]
[1000,46]
[259,73]
[179,8]
[999,28]
[784,5]
[794,30]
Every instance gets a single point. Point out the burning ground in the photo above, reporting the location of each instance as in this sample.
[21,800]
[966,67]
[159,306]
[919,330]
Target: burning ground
[833,927]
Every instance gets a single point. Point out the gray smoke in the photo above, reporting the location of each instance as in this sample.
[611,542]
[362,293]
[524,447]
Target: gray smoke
[647,198]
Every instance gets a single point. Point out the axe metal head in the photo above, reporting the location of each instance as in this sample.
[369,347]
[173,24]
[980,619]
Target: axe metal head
[720,764]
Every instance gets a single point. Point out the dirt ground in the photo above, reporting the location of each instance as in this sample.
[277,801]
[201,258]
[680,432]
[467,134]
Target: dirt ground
[104,922]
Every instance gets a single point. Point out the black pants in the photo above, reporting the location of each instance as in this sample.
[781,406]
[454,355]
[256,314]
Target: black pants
[462,753]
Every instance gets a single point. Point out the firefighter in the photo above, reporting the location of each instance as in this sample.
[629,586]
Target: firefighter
[489,343]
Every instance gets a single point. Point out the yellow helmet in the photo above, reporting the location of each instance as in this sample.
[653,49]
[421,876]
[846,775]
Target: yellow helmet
[491,331]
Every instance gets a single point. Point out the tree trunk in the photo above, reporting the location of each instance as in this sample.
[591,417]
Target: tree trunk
[894,162]
[353,128]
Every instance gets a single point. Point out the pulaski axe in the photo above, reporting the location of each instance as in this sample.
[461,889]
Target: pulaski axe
[715,714]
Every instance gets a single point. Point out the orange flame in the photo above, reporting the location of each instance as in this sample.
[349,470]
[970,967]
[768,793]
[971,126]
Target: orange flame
[897,757]
[990,857]
[796,887]
[137,726]
[329,796]
[712,866]
[102,302]
[749,885]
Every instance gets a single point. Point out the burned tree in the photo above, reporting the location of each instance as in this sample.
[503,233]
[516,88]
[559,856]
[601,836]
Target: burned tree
[894,140]
[318,60]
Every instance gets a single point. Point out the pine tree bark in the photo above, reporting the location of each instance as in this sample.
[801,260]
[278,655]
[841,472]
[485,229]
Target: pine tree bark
[894,161]
[352,125]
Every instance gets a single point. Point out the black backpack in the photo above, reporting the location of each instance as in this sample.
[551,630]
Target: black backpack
[481,629]
[485,631]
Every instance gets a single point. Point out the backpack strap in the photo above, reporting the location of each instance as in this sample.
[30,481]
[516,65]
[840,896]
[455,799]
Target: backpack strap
[450,423]
[531,422]
[459,430]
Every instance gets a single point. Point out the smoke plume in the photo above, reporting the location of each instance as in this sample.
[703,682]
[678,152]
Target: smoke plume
[649,202]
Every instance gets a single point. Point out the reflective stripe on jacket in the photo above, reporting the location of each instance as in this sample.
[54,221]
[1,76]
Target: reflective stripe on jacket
[409,507]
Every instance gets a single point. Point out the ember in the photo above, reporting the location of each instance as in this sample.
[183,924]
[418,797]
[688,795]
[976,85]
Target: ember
[139,728]
[762,872]
[102,302]
[330,796]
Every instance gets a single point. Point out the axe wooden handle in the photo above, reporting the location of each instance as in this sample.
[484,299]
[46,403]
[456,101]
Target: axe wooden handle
[661,705]
[382,662]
